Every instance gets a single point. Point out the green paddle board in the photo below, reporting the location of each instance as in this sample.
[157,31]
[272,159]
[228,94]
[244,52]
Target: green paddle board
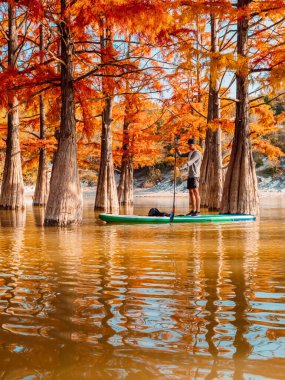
[211,218]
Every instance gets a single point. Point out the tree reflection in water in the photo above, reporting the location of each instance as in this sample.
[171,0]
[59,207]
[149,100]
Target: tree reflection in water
[39,216]
[126,209]
[136,301]
[13,218]
[227,274]
[212,262]
[242,262]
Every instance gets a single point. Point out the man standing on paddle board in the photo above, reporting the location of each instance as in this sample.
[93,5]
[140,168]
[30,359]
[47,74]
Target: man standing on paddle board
[193,165]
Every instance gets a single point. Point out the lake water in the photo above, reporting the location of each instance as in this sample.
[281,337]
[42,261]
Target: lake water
[137,302]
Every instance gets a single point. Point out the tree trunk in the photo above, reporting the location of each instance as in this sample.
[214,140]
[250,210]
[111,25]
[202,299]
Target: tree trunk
[12,190]
[106,194]
[125,188]
[42,184]
[64,204]
[211,170]
[240,190]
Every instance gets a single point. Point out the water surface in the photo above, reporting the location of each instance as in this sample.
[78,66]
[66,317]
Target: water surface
[143,301]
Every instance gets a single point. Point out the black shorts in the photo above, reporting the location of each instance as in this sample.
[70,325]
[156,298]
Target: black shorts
[193,183]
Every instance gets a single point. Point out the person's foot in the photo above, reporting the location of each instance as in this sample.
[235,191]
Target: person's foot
[190,213]
[195,213]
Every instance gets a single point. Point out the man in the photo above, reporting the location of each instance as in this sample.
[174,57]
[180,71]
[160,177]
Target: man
[193,165]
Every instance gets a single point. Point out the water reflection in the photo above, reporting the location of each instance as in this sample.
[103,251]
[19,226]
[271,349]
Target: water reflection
[12,218]
[39,216]
[106,301]
[126,210]
[239,267]
[212,273]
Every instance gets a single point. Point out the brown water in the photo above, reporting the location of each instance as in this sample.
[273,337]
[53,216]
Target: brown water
[143,301]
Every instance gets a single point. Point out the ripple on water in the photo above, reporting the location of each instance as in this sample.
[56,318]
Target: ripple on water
[159,302]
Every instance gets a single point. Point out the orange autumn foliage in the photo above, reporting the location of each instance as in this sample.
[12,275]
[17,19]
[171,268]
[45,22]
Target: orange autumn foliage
[168,69]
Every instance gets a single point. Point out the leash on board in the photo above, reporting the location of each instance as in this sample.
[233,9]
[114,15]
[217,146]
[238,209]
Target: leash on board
[172,214]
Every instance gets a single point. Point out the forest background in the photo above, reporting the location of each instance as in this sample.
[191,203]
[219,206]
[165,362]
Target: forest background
[88,89]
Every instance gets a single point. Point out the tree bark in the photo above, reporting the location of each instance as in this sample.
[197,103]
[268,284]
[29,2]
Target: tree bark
[64,204]
[240,191]
[106,194]
[42,183]
[211,170]
[125,188]
[12,190]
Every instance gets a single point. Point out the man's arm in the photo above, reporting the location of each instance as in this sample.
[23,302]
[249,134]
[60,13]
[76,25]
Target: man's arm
[194,157]
[181,154]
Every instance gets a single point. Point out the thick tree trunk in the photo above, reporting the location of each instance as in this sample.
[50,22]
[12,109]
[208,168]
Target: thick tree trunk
[64,204]
[42,184]
[12,190]
[240,190]
[125,188]
[106,194]
[211,170]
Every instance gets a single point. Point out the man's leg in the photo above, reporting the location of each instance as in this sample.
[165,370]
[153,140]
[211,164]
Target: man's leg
[196,195]
[193,199]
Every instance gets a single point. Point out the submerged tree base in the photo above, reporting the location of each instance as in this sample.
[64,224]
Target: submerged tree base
[12,197]
[9,207]
[109,210]
[65,203]
[61,223]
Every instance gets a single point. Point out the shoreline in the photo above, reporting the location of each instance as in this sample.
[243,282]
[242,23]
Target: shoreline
[261,193]
[147,193]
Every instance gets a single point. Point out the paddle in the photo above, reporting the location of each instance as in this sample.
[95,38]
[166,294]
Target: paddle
[174,180]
